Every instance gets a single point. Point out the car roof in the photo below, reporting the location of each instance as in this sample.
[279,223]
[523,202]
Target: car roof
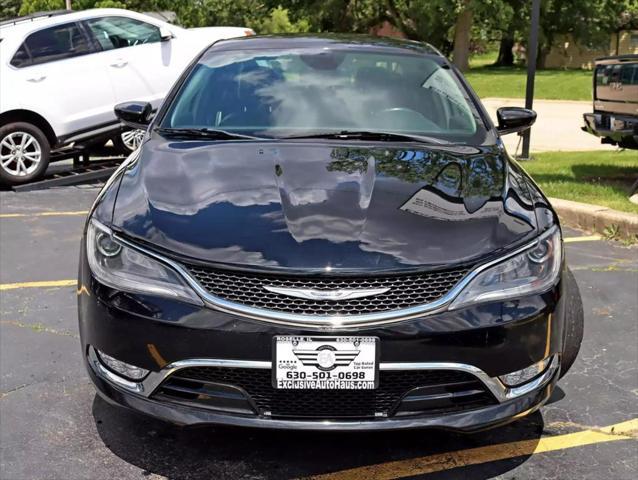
[23,25]
[332,41]
[32,17]
[630,57]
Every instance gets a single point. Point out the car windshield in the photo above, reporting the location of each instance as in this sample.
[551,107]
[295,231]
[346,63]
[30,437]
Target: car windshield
[314,92]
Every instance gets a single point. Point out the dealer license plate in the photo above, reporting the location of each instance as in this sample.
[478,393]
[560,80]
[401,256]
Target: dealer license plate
[325,363]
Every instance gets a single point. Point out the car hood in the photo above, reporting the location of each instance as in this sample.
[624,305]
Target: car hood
[339,206]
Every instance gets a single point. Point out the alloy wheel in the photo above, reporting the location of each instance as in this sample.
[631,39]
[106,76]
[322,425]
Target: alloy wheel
[132,138]
[20,153]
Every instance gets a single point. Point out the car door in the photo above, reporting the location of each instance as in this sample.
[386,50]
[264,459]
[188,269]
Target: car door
[138,61]
[58,76]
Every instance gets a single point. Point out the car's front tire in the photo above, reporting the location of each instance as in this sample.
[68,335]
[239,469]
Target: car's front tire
[574,322]
[24,153]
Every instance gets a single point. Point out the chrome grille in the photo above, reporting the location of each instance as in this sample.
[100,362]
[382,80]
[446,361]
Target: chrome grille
[406,290]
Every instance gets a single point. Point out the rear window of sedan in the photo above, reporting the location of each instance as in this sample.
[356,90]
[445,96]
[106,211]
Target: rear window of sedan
[290,93]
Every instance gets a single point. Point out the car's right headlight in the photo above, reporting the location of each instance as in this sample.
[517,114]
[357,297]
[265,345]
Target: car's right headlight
[532,271]
[124,268]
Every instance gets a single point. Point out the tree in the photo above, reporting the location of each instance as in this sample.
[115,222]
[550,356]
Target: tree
[32,6]
[514,18]
[279,22]
[449,25]
[351,16]
[263,16]
[587,21]
[425,20]
[9,9]
[462,36]
[452,26]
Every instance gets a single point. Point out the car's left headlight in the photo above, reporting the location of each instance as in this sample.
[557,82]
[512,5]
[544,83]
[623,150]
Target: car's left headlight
[124,268]
[534,270]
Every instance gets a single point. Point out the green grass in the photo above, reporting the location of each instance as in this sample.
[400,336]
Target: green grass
[599,178]
[483,59]
[509,82]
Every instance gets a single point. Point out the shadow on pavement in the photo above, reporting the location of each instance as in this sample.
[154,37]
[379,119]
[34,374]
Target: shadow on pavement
[227,452]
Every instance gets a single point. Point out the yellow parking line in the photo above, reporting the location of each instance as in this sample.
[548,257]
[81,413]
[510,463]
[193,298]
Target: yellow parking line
[492,453]
[44,214]
[590,238]
[44,284]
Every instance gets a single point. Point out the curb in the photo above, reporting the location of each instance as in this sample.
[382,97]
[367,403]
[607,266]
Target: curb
[596,218]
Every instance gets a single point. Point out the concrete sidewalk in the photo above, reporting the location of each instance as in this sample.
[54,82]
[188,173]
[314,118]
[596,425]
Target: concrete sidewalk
[557,127]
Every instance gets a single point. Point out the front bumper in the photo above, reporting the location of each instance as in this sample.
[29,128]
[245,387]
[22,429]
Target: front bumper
[135,396]
[164,336]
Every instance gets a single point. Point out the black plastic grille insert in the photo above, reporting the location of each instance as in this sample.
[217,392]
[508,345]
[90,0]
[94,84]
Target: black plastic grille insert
[393,386]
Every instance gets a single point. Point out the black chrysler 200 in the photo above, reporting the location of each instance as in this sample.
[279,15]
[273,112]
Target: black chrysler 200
[325,233]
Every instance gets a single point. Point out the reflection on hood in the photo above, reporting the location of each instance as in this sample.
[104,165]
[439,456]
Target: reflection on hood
[308,205]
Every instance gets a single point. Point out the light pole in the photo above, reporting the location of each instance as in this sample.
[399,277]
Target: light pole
[68,5]
[532,49]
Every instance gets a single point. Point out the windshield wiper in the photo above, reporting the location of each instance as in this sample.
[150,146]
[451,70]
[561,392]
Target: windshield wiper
[210,133]
[369,135]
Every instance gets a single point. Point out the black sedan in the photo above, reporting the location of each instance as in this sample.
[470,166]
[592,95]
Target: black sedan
[325,233]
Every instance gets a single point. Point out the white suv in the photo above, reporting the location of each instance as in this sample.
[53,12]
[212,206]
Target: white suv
[62,72]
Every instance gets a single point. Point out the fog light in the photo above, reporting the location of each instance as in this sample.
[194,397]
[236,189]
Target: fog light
[525,375]
[125,369]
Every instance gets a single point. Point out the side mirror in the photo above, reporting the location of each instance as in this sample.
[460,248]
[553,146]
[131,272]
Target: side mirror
[514,119]
[134,114]
[165,34]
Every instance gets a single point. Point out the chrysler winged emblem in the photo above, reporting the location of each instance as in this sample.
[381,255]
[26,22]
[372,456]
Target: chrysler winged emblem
[333,295]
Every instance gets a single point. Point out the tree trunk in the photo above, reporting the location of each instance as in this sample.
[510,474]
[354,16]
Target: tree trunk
[541,56]
[395,18]
[462,36]
[505,54]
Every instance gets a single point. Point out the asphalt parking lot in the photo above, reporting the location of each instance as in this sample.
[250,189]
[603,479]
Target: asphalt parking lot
[52,425]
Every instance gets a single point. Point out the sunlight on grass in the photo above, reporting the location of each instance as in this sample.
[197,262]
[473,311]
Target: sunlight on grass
[483,59]
[600,178]
[509,82]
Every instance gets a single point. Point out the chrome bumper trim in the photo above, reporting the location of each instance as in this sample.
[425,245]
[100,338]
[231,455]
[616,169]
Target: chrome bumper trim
[153,380]
[498,389]
[101,371]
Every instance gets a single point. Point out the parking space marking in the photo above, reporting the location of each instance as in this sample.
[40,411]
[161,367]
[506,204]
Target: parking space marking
[491,453]
[589,238]
[43,284]
[44,214]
